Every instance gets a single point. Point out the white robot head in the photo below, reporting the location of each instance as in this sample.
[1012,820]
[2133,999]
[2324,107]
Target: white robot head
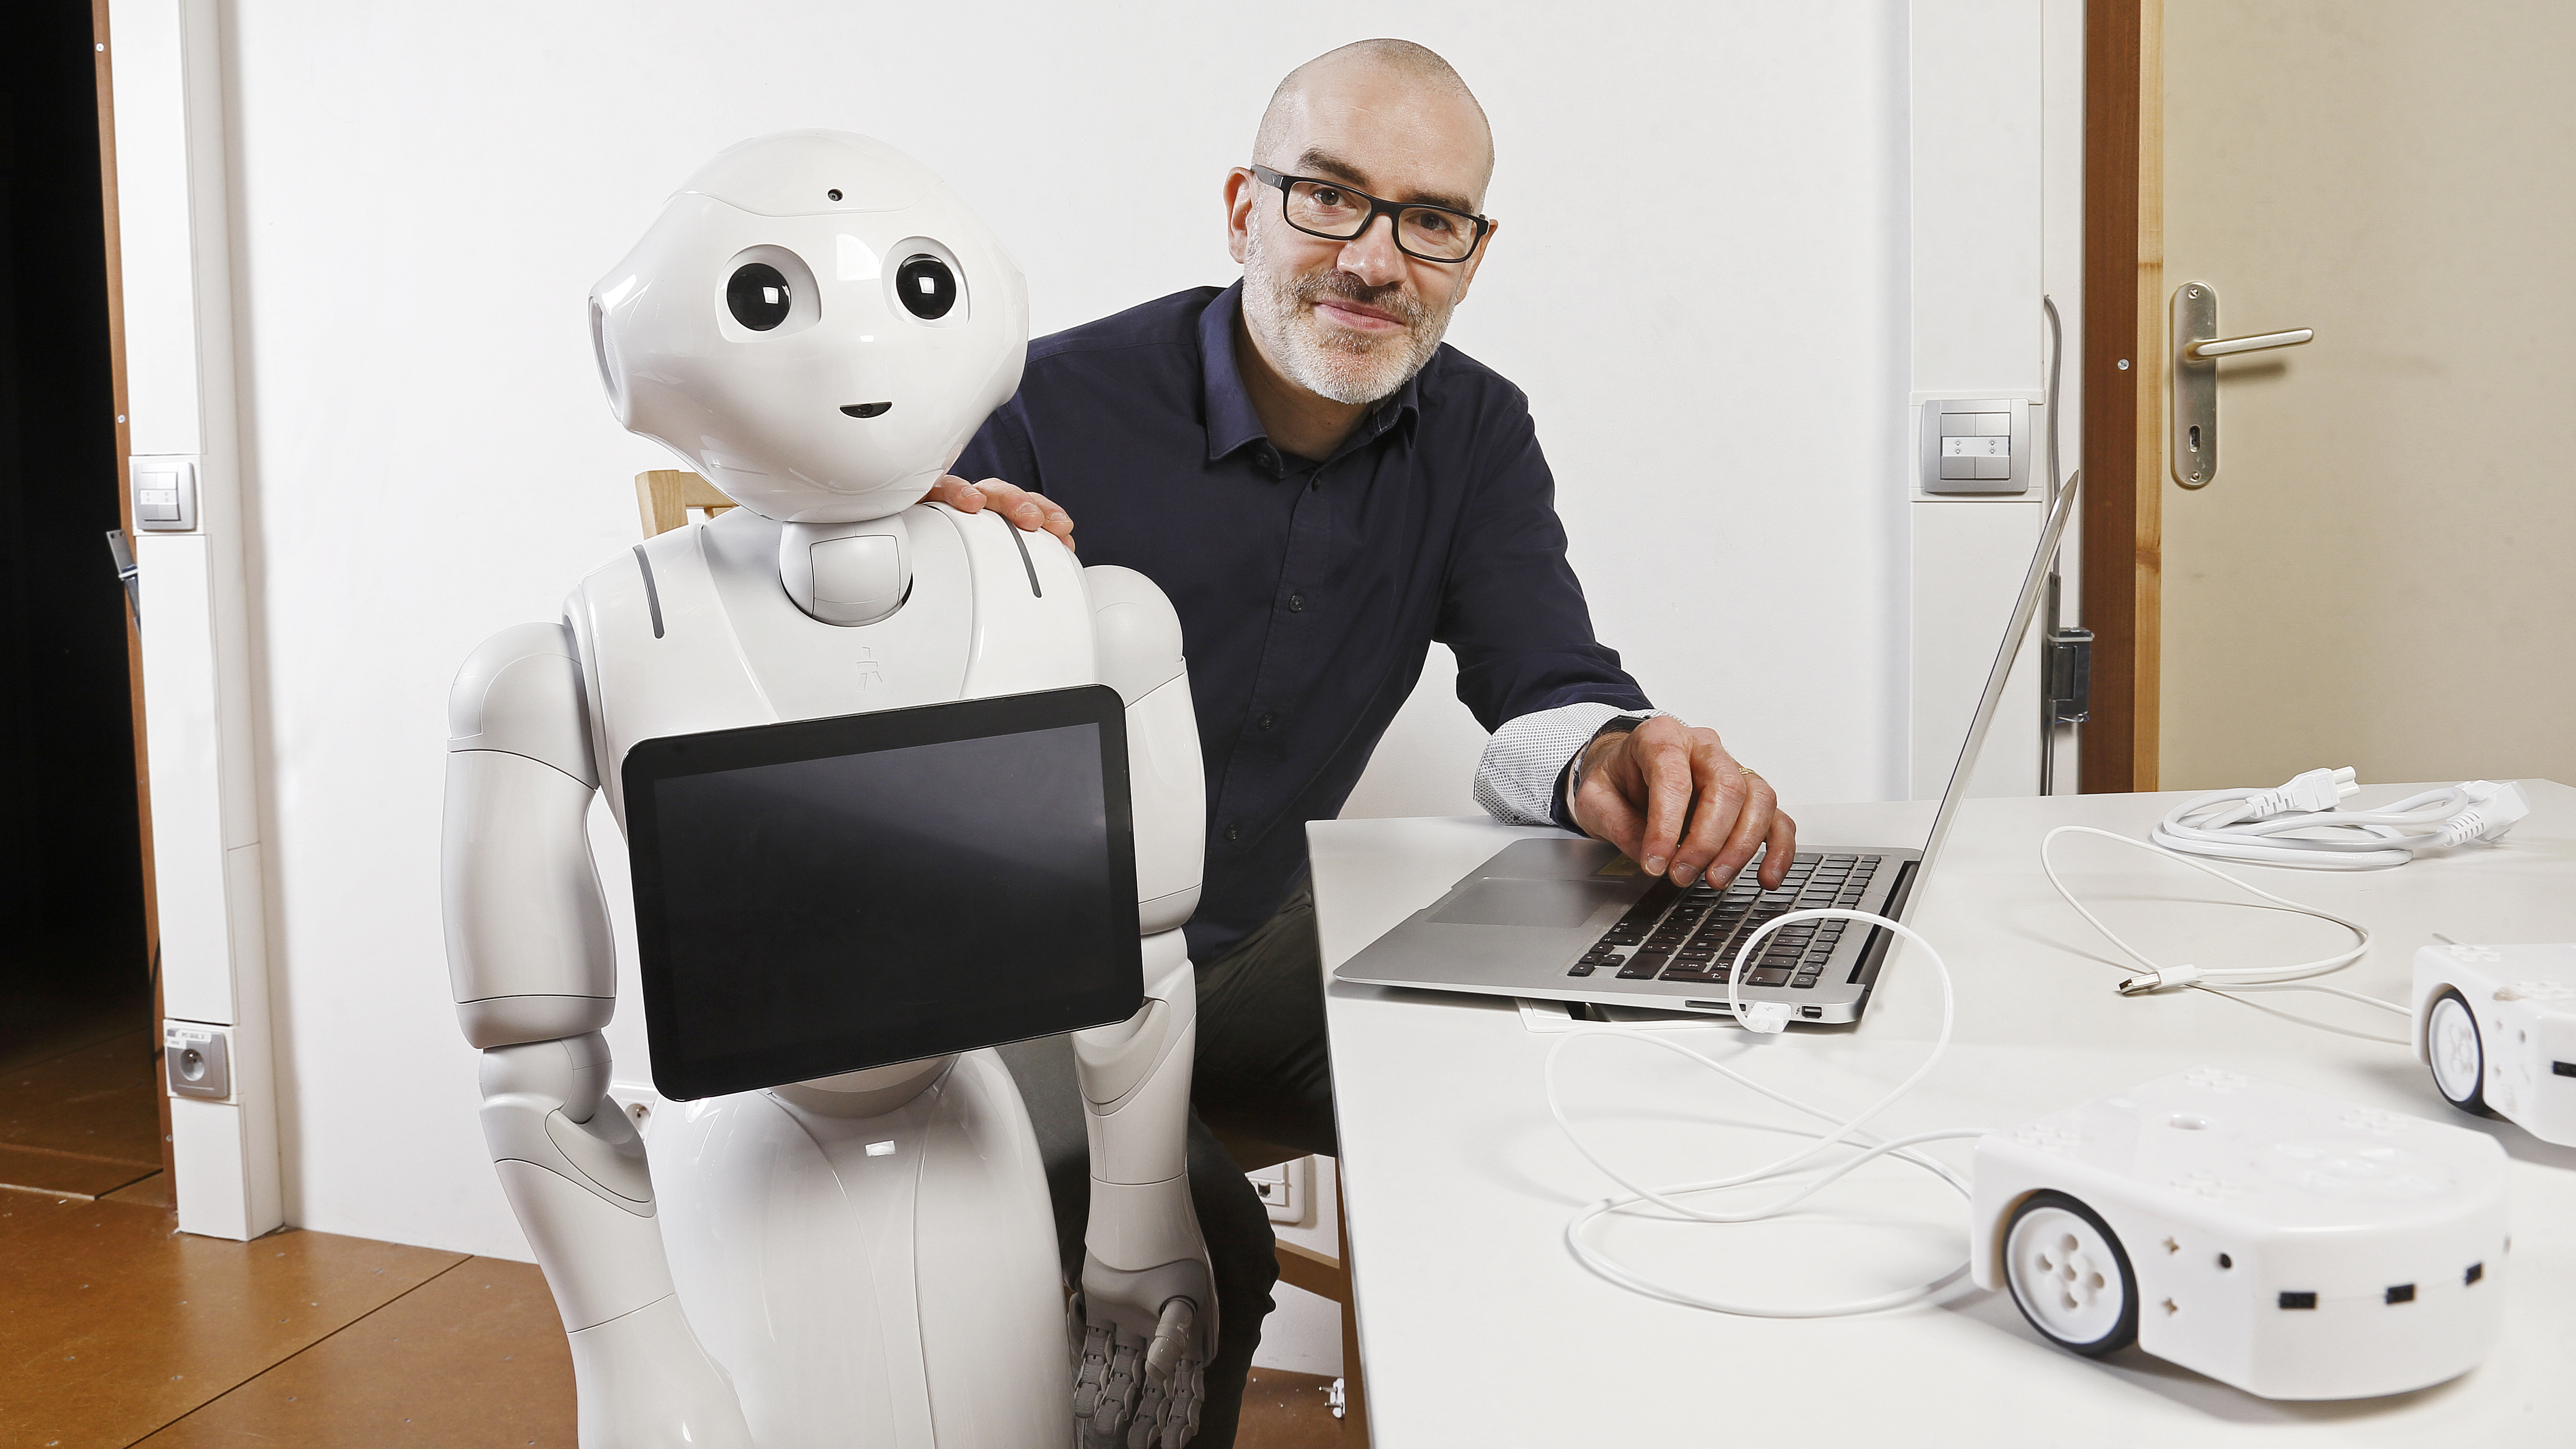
[816,323]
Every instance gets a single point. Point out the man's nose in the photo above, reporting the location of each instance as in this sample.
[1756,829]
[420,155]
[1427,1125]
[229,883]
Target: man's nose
[1372,255]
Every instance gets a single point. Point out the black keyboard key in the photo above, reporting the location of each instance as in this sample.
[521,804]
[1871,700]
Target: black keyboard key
[1767,976]
[1643,966]
[1581,968]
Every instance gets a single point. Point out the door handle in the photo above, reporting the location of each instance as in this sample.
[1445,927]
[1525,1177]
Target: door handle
[2230,346]
[2197,348]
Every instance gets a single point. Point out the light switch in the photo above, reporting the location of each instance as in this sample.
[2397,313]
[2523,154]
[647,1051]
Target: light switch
[165,495]
[1976,446]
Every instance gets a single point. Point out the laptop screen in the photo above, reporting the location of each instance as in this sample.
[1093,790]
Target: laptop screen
[823,896]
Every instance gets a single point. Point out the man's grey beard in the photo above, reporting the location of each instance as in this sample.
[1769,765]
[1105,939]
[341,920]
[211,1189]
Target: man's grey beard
[1336,364]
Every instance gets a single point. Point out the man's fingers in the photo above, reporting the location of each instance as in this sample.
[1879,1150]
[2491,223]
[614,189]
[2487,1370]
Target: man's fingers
[1782,845]
[1666,773]
[1752,826]
[957,493]
[1718,785]
[1026,511]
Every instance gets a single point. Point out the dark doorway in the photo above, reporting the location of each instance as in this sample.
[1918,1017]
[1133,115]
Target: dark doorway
[76,1025]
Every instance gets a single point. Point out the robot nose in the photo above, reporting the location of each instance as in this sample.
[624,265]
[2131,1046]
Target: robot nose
[865,410]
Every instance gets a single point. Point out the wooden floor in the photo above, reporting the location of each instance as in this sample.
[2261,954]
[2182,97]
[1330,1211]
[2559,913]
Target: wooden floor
[117,1329]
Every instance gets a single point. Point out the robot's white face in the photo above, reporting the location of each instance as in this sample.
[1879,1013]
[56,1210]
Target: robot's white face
[816,323]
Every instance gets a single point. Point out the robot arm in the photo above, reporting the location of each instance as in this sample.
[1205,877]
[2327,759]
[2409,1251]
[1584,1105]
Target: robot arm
[529,956]
[1147,1312]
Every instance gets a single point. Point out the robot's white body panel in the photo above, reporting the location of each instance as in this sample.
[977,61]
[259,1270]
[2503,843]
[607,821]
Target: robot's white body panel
[794,1236]
[870,1259]
[888,1279]
[707,640]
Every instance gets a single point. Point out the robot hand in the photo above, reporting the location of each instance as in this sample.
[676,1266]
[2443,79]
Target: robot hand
[1141,1343]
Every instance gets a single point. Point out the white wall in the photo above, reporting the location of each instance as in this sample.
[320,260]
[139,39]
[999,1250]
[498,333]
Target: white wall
[423,197]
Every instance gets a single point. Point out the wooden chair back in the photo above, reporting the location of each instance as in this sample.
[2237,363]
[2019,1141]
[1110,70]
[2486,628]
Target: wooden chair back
[665,495]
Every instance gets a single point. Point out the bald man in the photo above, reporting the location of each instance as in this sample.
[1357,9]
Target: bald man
[1324,488]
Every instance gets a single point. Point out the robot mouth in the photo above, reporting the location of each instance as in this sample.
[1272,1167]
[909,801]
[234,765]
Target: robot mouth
[866,410]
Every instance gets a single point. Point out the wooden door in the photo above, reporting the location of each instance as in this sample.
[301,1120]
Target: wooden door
[2382,573]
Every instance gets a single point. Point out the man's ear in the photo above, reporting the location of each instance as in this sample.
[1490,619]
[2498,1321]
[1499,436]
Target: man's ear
[1241,190]
[1474,263]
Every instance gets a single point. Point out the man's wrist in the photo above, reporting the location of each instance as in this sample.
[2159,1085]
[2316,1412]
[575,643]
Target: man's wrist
[1575,768]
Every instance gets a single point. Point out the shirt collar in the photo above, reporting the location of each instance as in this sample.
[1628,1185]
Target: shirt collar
[1231,421]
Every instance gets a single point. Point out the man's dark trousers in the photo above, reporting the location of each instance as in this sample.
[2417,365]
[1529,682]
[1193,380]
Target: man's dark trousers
[1260,1071]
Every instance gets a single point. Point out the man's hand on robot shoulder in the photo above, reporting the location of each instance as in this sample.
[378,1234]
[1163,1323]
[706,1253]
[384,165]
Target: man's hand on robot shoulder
[1677,802]
[1031,512]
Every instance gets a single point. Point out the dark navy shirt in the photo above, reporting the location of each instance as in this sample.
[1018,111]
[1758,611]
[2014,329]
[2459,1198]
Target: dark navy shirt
[1308,592]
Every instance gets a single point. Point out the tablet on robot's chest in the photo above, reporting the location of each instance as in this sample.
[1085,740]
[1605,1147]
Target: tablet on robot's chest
[823,896]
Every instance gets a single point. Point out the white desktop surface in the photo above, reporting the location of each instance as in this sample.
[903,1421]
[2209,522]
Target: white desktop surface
[1477,1326]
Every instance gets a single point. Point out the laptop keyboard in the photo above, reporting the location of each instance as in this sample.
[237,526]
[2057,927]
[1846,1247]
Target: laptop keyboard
[1690,934]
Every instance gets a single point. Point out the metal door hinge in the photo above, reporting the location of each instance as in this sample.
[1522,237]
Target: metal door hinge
[2070,676]
[126,573]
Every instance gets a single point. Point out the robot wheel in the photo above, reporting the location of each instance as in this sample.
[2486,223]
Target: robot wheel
[2069,1275]
[2457,1052]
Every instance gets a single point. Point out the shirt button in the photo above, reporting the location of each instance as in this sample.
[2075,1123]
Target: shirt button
[1233,831]
[1296,603]
[1268,720]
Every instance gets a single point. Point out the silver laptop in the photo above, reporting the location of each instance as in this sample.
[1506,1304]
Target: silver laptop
[1574,920]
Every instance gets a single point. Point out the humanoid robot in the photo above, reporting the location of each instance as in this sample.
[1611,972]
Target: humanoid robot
[819,325]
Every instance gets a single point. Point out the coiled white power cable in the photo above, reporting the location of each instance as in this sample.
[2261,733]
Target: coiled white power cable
[2218,979]
[1847,1132]
[2302,822]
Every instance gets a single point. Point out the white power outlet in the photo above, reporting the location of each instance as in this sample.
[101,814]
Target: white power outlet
[1286,1189]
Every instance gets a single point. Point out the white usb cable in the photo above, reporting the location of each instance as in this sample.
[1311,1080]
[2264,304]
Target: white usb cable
[1847,1133]
[2227,981]
[2303,823]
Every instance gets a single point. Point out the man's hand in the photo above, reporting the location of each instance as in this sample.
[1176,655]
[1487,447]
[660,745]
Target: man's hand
[1030,511]
[1679,804]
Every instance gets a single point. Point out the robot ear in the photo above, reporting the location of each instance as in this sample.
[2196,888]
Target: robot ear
[608,378]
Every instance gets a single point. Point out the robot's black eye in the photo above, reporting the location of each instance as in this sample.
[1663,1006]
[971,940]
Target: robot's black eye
[927,287]
[757,296]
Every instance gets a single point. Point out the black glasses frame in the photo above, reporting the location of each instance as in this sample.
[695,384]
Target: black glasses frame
[1377,207]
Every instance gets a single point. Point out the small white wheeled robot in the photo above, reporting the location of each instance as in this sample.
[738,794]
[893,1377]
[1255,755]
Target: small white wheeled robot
[2289,1244]
[2497,1026]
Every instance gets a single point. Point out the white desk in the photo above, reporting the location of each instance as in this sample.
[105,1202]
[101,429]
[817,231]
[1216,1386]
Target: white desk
[1478,1328]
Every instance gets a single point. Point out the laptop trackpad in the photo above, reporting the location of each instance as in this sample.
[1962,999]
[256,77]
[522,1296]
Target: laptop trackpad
[1559,903]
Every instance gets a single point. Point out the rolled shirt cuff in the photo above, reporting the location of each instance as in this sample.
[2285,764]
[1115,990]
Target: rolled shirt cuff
[1521,778]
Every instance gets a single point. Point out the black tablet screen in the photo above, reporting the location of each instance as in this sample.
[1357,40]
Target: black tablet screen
[819,915]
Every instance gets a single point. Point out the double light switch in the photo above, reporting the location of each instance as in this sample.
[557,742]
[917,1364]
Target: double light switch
[1976,445]
[165,495]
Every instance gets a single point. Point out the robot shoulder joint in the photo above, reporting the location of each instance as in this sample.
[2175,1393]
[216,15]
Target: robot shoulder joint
[521,692]
[1136,631]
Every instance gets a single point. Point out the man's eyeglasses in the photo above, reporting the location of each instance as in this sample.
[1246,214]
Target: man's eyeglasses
[1335,212]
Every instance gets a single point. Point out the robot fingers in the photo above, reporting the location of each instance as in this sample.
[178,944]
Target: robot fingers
[1171,1338]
